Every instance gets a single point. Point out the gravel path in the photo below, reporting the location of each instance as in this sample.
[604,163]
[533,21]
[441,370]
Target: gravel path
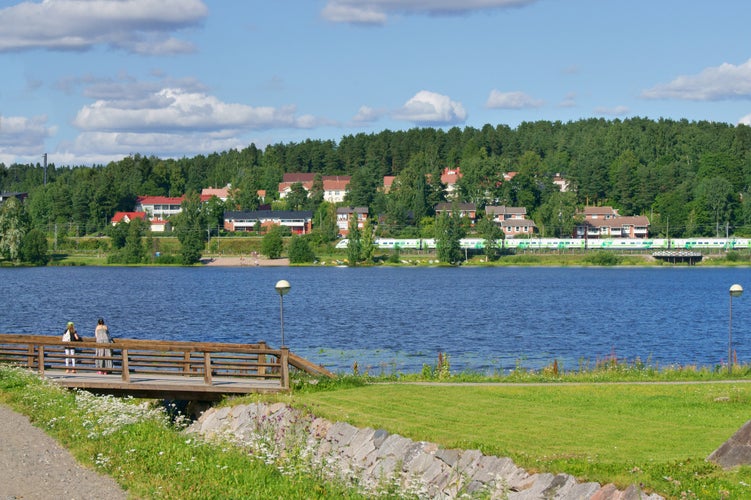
[34,466]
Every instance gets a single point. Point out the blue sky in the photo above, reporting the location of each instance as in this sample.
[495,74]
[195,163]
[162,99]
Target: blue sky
[92,81]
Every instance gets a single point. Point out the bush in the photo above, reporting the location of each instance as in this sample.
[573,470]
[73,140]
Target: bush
[272,244]
[604,258]
[300,251]
[34,248]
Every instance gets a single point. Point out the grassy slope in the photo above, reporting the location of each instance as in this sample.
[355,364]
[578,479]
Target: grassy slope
[655,434]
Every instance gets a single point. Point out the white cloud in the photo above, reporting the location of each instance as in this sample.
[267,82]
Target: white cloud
[119,144]
[511,100]
[726,81]
[430,108]
[367,114]
[569,101]
[177,109]
[378,11]
[23,136]
[615,111]
[140,26]
[746,120]
[131,116]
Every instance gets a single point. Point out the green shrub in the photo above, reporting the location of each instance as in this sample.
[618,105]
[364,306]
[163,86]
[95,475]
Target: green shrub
[300,251]
[603,258]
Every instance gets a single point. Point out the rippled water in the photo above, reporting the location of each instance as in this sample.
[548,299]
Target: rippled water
[399,318]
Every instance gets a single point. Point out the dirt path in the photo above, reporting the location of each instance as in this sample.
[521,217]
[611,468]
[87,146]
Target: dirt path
[34,466]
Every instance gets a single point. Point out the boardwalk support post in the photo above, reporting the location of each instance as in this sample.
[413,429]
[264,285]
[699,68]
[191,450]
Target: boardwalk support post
[284,359]
[124,363]
[207,367]
[41,360]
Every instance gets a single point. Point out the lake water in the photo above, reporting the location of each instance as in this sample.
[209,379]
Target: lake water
[397,319]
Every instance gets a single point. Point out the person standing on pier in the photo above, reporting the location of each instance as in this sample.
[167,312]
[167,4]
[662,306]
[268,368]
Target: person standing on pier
[102,336]
[70,335]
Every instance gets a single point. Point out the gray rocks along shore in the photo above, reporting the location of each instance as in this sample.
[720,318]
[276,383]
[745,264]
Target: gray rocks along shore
[377,461]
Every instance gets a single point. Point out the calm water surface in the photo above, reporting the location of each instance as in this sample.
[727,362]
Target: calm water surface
[392,319]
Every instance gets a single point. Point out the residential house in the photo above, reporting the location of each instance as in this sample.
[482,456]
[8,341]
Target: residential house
[221,193]
[512,220]
[160,226]
[345,214]
[501,213]
[126,217]
[516,227]
[468,210]
[6,195]
[334,186]
[561,182]
[159,207]
[388,180]
[620,227]
[594,213]
[606,222]
[450,178]
[299,222]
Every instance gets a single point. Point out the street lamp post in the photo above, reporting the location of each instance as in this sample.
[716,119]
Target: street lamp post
[735,291]
[282,287]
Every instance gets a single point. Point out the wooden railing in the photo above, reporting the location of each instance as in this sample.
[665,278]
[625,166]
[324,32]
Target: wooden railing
[208,360]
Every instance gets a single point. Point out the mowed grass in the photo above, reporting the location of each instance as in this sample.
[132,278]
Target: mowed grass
[657,435]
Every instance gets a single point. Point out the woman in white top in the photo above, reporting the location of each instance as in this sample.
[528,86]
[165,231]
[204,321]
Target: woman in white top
[102,335]
[70,335]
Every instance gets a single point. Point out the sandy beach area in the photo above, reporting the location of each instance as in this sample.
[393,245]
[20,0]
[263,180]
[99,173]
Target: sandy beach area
[243,261]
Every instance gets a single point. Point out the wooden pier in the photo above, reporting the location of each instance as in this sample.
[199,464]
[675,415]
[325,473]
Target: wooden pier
[197,371]
[678,256]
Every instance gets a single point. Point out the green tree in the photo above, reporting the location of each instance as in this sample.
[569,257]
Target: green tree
[272,244]
[491,233]
[13,227]
[449,230]
[189,226]
[363,185]
[316,194]
[479,178]
[556,217]
[35,249]
[715,192]
[325,228]
[134,251]
[625,182]
[368,240]
[118,234]
[300,251]
[354,246]
[297,196]
[213,211]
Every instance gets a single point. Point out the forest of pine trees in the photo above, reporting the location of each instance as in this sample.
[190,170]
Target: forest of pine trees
[694,176]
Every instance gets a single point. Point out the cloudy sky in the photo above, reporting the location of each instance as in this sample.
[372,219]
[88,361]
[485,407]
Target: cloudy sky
[91,81]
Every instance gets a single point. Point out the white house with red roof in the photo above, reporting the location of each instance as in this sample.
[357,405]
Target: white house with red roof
[126,217]
[221,193]
[159,207]
[334,186]
[450,178]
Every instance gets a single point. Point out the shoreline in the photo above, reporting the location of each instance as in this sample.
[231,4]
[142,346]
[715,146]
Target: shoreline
[242,261]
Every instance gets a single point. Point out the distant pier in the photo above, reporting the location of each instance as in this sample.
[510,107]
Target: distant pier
[678,256]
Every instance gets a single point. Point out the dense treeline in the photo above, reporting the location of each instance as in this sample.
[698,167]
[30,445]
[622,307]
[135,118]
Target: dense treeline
[689,178]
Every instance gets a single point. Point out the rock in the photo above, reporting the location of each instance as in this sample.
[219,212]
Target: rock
[379,461]
[734,451]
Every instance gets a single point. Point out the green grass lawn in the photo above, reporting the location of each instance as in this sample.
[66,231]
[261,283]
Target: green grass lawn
[658,435]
